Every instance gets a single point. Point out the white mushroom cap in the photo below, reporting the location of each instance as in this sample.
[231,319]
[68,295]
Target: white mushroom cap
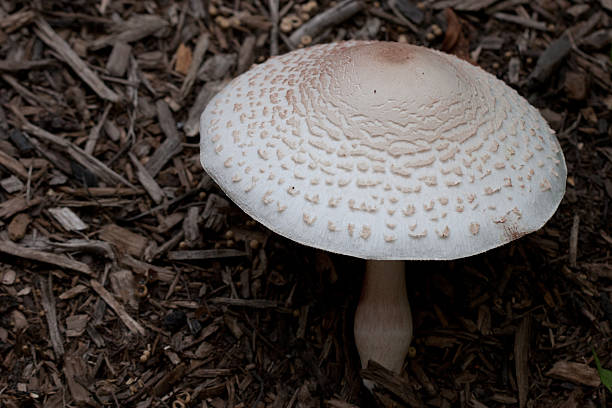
[383,150]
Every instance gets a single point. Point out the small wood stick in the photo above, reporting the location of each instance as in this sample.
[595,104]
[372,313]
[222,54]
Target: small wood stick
[57,43]
[573,248]
[335,15]
[110,300]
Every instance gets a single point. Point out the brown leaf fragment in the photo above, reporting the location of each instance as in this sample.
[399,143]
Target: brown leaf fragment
[18,226]
[110,300]
[194,66]
[577,373]
[183,59]
[453,31]
[124,240]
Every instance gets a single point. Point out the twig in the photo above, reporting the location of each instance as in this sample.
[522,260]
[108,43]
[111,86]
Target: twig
[10,248]
[273,5]
[196,61]
[24,65]
[199,254]
[48,304]
[526,22]
[84,159]
[573,241]
[54,41]
[110,300]
[253,303]
[94,133]
[332,16]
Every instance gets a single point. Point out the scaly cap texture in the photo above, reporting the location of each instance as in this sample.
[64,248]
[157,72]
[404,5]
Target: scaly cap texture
[383,150]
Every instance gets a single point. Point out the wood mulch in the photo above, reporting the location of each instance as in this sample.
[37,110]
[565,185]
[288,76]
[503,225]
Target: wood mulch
[128,279]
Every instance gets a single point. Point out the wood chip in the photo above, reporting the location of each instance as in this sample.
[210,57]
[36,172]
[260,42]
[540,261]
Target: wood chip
[550,59]
[525,22]
[76,324]
[86,160]
[124,240]
[18,226]
[391,382]
[13,165]
[12,185]
[73,292]
[170,146]
[577,373]
[252,303]
[192,126]
[204,254]
[15,205]
[119,59]
[131,324]
[57,43]
[137,27]
[573,249]
[194,66]
[47,300]
[62,261]
[332,16]
[147,181]
[68,219]
[124,286]
[75,371]
[191,226]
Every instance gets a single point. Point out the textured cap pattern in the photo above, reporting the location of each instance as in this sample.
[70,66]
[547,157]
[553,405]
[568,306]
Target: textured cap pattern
[383,151]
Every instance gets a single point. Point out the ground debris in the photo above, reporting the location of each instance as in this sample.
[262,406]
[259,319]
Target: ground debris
[194,303]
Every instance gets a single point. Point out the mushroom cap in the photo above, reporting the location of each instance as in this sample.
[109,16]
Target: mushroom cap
[383,150]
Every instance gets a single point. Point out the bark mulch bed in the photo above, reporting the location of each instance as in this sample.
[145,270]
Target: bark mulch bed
[128,279]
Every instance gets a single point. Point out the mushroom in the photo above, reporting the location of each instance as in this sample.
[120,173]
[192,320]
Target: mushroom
[387,152]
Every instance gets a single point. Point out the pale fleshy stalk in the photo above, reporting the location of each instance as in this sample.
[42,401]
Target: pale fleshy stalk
[383,322]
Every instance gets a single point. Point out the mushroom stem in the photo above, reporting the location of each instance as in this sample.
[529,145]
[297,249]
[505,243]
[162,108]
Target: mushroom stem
[383,323]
